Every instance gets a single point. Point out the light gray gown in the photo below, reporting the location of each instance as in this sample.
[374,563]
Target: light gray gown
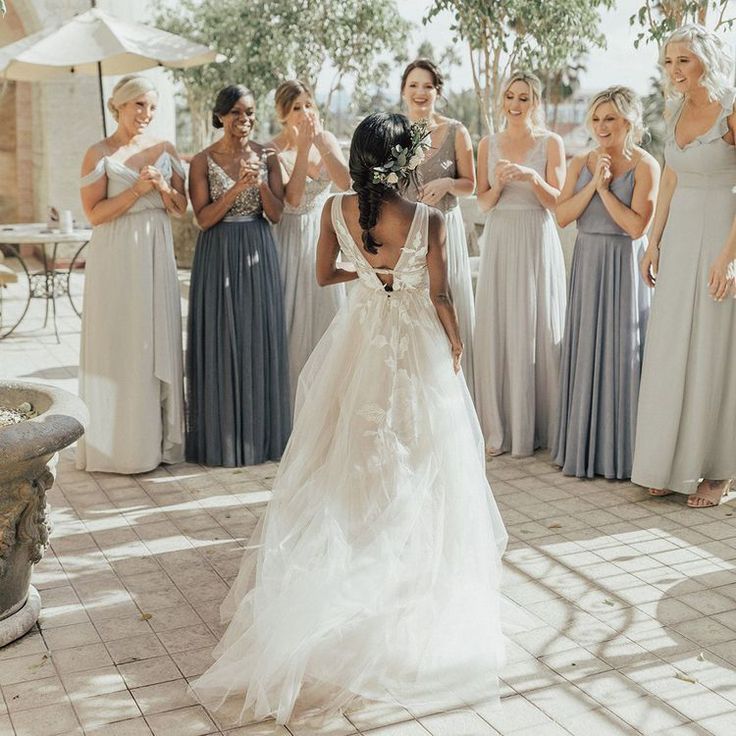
[442,162]
[520,313]
[686,427]
[130,364]
[607,312]
[308,307]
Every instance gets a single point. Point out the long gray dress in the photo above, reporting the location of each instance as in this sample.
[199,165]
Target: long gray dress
[238,410]
[607,312]
[442,162]
[130,366]
[686,427]
[520,312]
[308,307]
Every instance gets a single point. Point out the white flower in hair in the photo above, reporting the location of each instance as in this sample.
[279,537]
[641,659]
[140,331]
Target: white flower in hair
[403,160]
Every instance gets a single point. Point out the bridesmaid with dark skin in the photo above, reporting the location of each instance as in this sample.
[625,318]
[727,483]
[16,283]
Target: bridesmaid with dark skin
[237,367]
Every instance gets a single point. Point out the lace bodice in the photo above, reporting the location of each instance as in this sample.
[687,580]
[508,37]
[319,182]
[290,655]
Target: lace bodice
[708,162]
[439,164]
[519,195]
[410,273]
[246,203]
[121,177]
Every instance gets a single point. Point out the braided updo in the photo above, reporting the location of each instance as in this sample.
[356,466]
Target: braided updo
[371,146]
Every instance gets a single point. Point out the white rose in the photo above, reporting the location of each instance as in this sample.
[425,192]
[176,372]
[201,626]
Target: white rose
[414,161]
[392,178]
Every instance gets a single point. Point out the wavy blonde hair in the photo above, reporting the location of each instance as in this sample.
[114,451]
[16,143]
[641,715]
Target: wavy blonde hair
[628,106]
[535,87]
[714,54]
[127,89]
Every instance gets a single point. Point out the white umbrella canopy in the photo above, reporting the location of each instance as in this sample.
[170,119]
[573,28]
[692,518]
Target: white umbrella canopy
[98,38]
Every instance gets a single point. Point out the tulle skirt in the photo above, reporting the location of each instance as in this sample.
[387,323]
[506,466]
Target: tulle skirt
[374,573]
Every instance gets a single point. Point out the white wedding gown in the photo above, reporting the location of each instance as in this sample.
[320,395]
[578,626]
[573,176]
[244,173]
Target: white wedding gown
[374,573]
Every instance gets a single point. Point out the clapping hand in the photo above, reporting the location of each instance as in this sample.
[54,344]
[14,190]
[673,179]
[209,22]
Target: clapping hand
[602,175]
[507,171]
[305,133]
[248,176]
[152,175]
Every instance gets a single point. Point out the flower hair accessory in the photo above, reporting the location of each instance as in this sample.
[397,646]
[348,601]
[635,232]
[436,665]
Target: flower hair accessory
[403,160]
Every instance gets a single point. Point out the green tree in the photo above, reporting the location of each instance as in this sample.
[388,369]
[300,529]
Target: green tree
[658,18]
[506,34]
[267,41]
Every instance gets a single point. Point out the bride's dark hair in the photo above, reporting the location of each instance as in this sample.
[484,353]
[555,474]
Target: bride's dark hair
[371,146]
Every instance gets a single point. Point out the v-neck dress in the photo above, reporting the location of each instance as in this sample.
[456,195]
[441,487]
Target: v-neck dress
[686,427]
[605,327]
[238,407]
[130,364]
[520,314]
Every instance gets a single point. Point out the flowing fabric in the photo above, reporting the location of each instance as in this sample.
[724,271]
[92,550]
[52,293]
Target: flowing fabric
[520,314]
[607,312]
[130,365]
[238,409]
[374,572]
[308,307]
[686,425]
[442,162]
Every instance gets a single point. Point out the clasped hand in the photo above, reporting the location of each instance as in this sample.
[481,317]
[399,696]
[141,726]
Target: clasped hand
[149,177]
[602,174]
[507,171]
[433,191]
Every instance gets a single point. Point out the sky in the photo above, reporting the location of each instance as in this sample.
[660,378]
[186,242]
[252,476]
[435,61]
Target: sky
[619,63]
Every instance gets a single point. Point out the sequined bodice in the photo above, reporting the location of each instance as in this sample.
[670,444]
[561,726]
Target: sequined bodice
[247,202]
[440,163]
[316,192]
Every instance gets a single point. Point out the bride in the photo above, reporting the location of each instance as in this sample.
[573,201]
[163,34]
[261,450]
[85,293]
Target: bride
[374,573]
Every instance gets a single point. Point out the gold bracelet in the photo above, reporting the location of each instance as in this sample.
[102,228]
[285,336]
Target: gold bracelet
[132,189]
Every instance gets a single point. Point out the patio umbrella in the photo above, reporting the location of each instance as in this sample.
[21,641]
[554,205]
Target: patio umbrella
[96,43]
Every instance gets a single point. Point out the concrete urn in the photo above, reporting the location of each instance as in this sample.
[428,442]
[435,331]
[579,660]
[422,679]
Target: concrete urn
[27,462]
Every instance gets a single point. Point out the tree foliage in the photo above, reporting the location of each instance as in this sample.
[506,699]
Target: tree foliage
[267,41]
[658,18]
[508,34]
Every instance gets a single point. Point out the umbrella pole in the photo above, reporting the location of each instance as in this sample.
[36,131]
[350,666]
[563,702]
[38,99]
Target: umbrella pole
[102,99]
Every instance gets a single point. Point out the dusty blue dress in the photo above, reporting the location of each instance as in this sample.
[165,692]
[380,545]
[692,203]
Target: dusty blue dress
[238,408]
[607,312]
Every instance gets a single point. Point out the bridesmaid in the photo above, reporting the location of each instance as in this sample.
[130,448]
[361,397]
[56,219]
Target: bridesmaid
[520,297]
[311,161]
[445,174]
[686,431]
[130,369]
[610,191]
[237,367]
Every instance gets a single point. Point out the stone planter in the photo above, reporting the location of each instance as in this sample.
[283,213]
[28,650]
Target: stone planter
[27,460]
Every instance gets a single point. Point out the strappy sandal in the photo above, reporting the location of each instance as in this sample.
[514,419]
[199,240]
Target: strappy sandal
[660,492]
[708,501]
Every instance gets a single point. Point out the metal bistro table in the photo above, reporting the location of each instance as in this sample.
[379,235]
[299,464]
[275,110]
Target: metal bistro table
[50,282]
